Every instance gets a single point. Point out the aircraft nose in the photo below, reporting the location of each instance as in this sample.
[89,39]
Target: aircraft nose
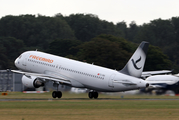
[16,62]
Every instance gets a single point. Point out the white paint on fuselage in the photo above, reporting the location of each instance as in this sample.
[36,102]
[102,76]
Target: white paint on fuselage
[80,74]
[168,79]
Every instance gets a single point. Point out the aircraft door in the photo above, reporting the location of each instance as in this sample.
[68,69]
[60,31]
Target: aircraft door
[111,79]
[24,61]
[58,67]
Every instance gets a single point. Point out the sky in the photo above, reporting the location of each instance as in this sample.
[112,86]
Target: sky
[140,11]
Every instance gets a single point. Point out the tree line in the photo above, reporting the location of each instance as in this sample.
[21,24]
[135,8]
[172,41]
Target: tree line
[87,38]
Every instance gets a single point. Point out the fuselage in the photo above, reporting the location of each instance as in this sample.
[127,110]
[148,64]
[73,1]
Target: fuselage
[80,74]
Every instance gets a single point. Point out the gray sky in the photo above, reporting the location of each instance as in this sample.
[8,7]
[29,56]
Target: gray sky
[140,11]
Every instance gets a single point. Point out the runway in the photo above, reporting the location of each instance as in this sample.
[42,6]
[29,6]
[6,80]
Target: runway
[87,99]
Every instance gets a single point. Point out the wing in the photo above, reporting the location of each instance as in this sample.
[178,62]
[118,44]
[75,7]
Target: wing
[149,73]
[50,76]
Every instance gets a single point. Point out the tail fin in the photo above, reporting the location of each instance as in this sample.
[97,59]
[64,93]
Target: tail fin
[135,65]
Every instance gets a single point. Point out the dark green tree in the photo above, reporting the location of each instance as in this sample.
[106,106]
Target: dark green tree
[89,26]
[107,52]
[10,49]
[35,31]
[122,26]
[63,47]
[156,60]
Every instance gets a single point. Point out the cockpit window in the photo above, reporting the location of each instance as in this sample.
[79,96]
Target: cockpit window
[20,56]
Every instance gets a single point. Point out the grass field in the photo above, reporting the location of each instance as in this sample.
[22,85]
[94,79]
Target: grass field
[78,107]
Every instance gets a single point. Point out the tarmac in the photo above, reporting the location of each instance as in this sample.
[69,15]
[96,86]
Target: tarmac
[121,99]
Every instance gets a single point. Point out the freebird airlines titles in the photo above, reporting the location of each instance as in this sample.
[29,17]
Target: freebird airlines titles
[38,68]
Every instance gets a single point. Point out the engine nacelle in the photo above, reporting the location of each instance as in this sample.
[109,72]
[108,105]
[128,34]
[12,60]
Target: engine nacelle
[32,82]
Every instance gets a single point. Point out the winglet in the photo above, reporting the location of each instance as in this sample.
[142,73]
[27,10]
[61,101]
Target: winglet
[135,65]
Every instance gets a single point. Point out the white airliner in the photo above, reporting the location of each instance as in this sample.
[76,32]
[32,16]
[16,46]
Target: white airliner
[150,73]
[162,83]
[38,67]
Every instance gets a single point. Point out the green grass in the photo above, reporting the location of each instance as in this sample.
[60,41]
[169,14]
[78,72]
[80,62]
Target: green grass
[70,107]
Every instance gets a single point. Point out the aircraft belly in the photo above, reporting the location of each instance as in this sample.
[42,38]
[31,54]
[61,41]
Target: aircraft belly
[94,84]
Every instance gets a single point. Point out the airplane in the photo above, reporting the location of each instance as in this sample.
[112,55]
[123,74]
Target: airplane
[39,67]
[150,73]
[162,83]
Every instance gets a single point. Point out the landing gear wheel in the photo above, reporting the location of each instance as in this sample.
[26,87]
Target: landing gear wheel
[56,94]
[90,95]
[95,95]
[59,94]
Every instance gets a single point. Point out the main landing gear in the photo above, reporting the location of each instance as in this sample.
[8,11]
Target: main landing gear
[93,94]
[57,93]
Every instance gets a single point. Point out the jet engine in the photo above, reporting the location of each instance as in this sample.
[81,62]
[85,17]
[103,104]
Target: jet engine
[32,81]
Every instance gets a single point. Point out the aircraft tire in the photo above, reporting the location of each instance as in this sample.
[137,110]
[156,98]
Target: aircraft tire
[54,94]
[59,94]
[95,95]
[90,95]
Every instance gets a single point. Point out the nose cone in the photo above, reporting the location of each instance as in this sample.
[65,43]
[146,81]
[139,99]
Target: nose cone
[16,62]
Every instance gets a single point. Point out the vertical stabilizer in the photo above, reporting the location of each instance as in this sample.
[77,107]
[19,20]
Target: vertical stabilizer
[135,65]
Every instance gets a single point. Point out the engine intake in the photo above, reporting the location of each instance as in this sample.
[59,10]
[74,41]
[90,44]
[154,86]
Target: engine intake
[38,83]
[32,81]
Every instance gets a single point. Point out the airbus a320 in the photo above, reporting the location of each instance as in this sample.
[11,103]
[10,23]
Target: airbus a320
[39,67]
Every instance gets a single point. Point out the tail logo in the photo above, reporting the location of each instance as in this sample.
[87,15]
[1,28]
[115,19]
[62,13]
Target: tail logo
[135,62]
